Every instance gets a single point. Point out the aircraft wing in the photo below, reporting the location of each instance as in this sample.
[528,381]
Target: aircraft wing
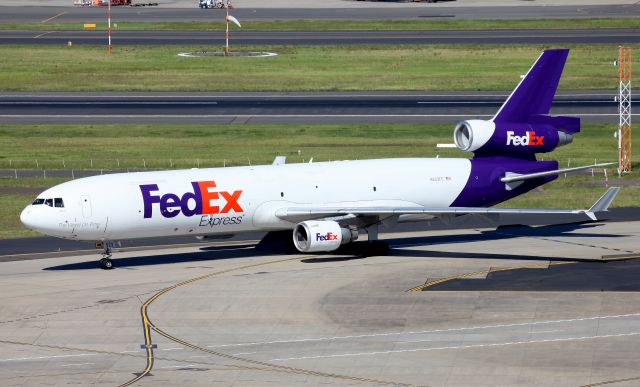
[298,214]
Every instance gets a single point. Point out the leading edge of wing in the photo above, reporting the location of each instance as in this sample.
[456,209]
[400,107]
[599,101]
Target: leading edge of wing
[307,213]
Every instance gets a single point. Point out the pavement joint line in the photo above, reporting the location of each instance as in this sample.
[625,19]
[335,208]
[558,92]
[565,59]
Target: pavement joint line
[148,326]
[472,346]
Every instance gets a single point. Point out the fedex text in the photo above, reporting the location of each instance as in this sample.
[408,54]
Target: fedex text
[529,139]
[204,199]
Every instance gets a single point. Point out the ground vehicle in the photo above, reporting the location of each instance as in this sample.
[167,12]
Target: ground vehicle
[211,4]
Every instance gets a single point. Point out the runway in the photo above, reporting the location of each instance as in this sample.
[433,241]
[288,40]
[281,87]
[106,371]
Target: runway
[14,14]
[124,37]
[227,314]
[282,108]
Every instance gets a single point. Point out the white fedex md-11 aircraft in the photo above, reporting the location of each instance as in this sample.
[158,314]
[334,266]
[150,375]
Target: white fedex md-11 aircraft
[325,204]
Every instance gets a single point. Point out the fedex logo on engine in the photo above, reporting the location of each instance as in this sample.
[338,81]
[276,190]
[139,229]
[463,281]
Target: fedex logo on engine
[204,200]
[326,237]
[529,138]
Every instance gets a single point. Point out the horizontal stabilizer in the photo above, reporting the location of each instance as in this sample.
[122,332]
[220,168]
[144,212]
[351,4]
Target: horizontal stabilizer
[567,124]
[511,177]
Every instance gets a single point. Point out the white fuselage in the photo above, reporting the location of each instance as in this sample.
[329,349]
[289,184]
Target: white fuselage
[237,199]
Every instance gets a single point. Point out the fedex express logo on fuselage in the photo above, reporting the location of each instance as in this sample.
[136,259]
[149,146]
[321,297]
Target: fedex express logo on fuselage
[529,138]
[204,200]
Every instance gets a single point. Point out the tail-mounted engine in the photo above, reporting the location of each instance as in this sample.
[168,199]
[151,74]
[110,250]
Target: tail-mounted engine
[321,236]
[514,139]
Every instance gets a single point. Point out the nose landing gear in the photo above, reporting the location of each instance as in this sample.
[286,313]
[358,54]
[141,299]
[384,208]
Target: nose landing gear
[106,263]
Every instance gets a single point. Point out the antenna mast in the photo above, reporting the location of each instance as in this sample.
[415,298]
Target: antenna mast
[624,109]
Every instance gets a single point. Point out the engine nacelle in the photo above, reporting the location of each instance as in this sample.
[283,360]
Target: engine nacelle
[508,138]
[315,236]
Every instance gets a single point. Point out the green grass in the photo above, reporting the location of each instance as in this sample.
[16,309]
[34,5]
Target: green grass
[318,68]
[316,25]
[215,145]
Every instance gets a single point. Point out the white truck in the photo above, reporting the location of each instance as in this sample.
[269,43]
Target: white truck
[211,4]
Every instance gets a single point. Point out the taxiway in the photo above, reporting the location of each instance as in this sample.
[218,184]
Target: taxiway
[281,108]
[228,314]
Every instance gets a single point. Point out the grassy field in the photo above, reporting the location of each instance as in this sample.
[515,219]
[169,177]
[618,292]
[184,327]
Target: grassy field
[214,145]
[321,68]
[316,25]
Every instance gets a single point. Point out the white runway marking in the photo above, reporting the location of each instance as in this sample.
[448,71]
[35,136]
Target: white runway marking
[457,347]
[83,96]
[172,349]
[77,364]
[76,103]
[47,357]
[178,366]
[275,115]
[333,338]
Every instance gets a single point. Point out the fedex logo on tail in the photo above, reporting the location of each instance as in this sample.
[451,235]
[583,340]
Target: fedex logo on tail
[529,138]
[203,200]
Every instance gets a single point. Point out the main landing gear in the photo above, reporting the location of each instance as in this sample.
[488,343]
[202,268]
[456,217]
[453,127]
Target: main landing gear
[106,263]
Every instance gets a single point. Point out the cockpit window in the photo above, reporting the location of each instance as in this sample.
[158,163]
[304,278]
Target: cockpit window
[48,202]
[37,202]
[58,202]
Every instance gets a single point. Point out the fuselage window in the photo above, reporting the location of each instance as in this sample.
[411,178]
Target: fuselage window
[49,202]
[37,202]
[58,202]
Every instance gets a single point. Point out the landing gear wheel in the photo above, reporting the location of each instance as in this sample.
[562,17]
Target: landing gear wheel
[106,264]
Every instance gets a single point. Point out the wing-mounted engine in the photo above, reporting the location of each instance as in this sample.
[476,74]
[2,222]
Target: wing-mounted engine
[321,236]
[511,139]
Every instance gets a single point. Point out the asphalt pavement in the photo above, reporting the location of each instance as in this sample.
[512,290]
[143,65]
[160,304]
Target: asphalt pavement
[18,14]
[216,38]
[190,108]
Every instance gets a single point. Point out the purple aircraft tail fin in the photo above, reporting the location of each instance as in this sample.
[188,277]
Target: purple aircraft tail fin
[533,96]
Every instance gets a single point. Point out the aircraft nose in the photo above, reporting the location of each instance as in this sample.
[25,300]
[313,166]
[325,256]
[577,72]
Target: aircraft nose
[26,217]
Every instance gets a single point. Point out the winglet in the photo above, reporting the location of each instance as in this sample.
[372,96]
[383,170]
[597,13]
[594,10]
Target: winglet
[603,203]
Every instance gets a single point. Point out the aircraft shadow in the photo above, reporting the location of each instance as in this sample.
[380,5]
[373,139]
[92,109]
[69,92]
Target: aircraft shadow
[505,232]
[208,253]
[272,247]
